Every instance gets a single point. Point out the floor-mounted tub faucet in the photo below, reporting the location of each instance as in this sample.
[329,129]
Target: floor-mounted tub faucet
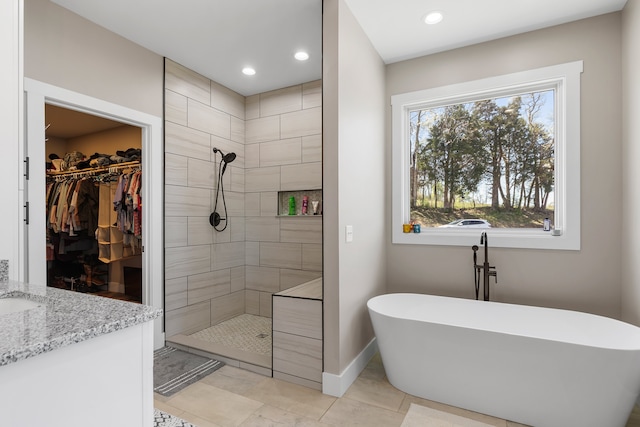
[486,269]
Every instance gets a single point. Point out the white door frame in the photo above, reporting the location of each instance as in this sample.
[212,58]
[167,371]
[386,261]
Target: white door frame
[33,243]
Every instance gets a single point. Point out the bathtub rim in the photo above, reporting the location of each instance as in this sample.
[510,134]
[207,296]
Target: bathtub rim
[602,341]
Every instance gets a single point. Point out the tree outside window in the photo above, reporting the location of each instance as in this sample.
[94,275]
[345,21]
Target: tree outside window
[490,159]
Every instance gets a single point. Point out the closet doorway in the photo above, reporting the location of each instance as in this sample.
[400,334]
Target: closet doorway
[33,239]
[94,204]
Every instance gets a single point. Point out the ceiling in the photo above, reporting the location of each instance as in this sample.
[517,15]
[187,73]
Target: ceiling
[66,124]
[217,38]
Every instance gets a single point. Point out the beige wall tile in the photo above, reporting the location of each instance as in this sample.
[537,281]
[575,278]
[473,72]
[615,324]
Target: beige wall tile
[252,204]
[223,236]
[298,356]
[208,119]
[281,255]
[252,107]
[187,320]
[252,156]
[200,173]
[291,278]
[312,256]
[227,307]
[199,231]
[235,204]
[265,304]
[312,148]
[262,130]
[301,123]
[237,279]
[301,230]
[180,262]
[298,316]
[236,179]
[175,293]
[252,302]
[236,224]
[227,255]
[312,94]
[185,141]
[186,82]
[185,201]
[262,179]
[206,286]
[175,169]
[282,152]
[300,381]
[175,231]
[252,253]
[175,107]
[263,279]
[281,101]
[262,229]
[305,176]
[269,203]
[237,130]
[226,100]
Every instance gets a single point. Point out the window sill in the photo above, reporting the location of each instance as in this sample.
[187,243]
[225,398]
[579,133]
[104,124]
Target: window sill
[498,238]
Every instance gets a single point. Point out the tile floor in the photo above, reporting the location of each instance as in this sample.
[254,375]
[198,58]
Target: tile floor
[244,332]
[235,397]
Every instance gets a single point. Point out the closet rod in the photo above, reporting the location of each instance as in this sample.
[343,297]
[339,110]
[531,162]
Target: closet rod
[114,167]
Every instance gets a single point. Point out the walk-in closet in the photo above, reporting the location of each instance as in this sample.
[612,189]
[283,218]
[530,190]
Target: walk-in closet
[93,204]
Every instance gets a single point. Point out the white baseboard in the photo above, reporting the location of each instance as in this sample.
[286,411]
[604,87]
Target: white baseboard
[337,385]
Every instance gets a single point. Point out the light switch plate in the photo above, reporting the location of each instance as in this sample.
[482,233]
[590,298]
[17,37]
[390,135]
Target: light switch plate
[348,233]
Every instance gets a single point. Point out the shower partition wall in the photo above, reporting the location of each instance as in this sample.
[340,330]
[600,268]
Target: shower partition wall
[213,277]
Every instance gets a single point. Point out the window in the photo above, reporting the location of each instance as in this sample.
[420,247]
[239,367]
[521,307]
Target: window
[501,154]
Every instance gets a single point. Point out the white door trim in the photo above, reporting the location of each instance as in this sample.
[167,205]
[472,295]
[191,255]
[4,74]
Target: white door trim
[39,93]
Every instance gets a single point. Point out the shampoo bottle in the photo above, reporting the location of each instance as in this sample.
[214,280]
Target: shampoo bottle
[305,205]
[292,205]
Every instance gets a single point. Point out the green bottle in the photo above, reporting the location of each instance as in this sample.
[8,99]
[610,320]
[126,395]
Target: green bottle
[292,205]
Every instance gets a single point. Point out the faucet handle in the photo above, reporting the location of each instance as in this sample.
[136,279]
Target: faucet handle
[494,273]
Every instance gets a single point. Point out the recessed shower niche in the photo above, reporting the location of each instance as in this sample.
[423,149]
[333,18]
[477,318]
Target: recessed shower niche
[313,203]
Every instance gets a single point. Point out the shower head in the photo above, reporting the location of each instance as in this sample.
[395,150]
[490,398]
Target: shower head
[229,157]
[226,158]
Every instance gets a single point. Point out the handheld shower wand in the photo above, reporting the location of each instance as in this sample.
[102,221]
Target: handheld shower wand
[215,218]
[476,276]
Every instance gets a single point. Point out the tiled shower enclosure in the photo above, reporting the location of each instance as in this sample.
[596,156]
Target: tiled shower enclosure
[210,276]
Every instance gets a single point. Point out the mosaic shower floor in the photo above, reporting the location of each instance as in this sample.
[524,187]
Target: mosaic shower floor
[245,332]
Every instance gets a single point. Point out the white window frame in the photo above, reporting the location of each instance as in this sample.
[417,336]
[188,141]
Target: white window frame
[565,80]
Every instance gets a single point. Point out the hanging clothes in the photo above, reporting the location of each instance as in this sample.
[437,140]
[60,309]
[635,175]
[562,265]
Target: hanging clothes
[103,207]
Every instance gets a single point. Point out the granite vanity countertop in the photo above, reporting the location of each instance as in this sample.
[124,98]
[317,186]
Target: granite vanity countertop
[63,318]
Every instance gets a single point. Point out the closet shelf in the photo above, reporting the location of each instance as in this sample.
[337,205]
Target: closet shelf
[114,167]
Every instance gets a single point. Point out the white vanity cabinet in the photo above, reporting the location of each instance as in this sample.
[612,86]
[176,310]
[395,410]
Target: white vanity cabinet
[75,360]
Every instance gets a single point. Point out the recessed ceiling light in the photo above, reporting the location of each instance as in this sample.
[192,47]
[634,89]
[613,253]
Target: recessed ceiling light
[433,18]
[301,56]
[248,71]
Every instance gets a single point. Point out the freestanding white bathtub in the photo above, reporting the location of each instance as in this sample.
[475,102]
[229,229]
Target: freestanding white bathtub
[537,366]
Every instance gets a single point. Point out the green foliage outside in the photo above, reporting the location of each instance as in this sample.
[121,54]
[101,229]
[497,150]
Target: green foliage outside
[502,218]
[491,159]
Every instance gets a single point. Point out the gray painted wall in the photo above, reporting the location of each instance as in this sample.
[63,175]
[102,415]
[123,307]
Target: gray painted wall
[586,280]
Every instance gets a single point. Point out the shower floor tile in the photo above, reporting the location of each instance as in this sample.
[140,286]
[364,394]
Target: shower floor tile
[245,332]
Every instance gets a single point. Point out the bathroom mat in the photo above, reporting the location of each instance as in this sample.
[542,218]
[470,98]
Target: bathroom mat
[421,416]
[162,419]
[175,369]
